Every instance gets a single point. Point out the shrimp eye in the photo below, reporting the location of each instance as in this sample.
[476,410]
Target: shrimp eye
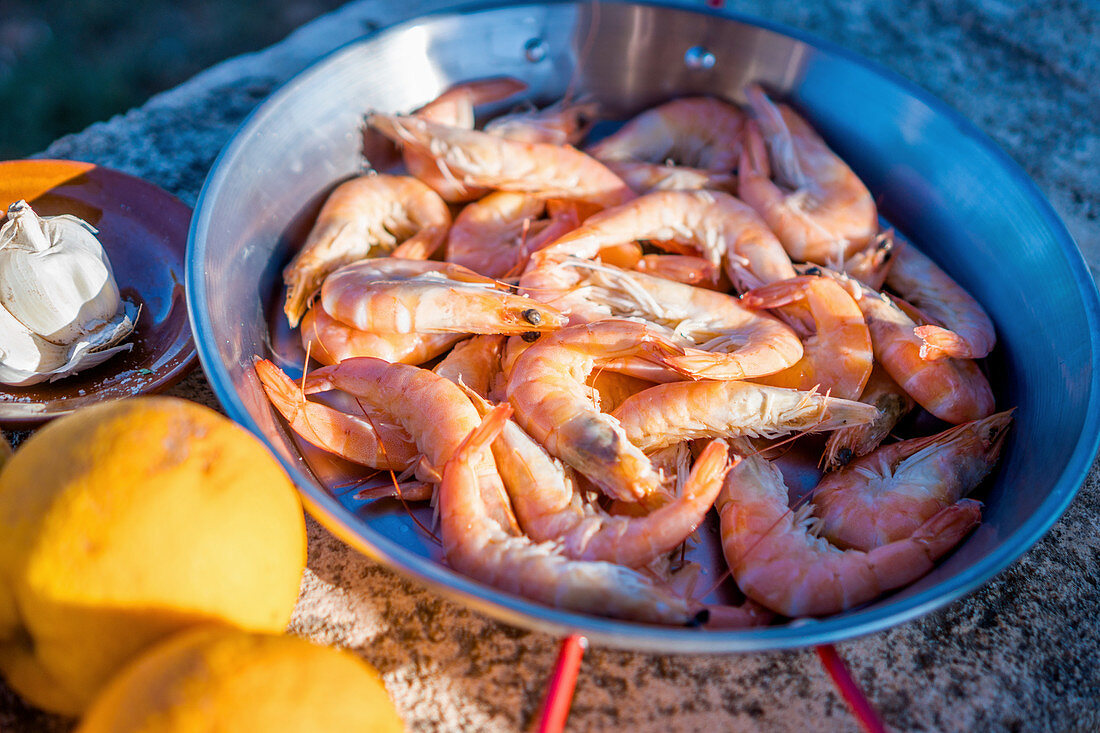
[844,456]
[531,336]
[813,271]
[532,316]
[699,619]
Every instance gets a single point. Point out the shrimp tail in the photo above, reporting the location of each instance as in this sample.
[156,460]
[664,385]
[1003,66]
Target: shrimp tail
[353,438]
[894,565]
[780,144]
[941,343]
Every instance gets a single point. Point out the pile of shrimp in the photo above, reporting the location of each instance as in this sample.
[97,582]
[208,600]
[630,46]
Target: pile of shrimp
[576,352]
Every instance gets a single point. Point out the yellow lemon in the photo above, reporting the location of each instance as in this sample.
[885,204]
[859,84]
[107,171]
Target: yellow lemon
[214,679]
[127,521]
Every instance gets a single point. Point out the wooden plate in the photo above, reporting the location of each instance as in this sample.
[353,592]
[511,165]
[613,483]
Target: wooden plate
[144,232]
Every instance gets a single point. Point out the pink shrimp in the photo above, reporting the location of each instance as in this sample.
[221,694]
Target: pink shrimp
[732,342]
[964,330]
[692,142]
[477,546]
[837,358]
[432,410]
[549,506]
[474,158]
[670,413]
[714,224]
[455,106]
[387,295]
[369,439]
[364,217]
[886,495]
[954,390]
[817,207]
[780,564]
[495,235]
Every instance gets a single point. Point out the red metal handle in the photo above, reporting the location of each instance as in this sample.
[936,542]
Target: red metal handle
[563,681]
[857,702]
[559,692]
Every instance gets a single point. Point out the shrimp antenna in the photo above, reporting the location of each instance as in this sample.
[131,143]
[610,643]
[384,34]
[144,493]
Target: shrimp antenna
[393,478]
[305,370]
[408,510]
[717,584]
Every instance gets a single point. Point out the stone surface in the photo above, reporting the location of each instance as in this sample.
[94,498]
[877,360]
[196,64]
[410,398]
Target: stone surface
[1016,655]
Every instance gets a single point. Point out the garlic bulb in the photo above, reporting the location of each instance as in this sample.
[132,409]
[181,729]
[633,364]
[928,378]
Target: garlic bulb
[60,309]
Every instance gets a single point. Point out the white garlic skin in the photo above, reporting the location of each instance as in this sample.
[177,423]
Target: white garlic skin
[62,311]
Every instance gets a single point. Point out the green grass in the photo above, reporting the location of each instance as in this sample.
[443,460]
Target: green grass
[66,64]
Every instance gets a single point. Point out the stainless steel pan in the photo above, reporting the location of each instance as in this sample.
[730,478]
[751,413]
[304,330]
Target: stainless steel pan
[935,176]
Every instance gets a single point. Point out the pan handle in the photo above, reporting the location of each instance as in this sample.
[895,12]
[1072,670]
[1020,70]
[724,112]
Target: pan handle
[559,691]
[858,703]
[563,681]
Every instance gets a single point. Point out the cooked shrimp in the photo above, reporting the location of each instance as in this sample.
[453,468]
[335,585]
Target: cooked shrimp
[670,413]
[364,217]
[549,506]
[495,235]
[714,224]
[679,144]
[779,563]
[455,107]
[871,264]
[329,341]
[888,493]
[966,332]
[476,524]
[733,342]
[386,295]
[954,390]
[432,410]
[370,439]
[893,404]
[837,358]
[475,158]
[817,206]
[562,123]
[546,386]
[476,545]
